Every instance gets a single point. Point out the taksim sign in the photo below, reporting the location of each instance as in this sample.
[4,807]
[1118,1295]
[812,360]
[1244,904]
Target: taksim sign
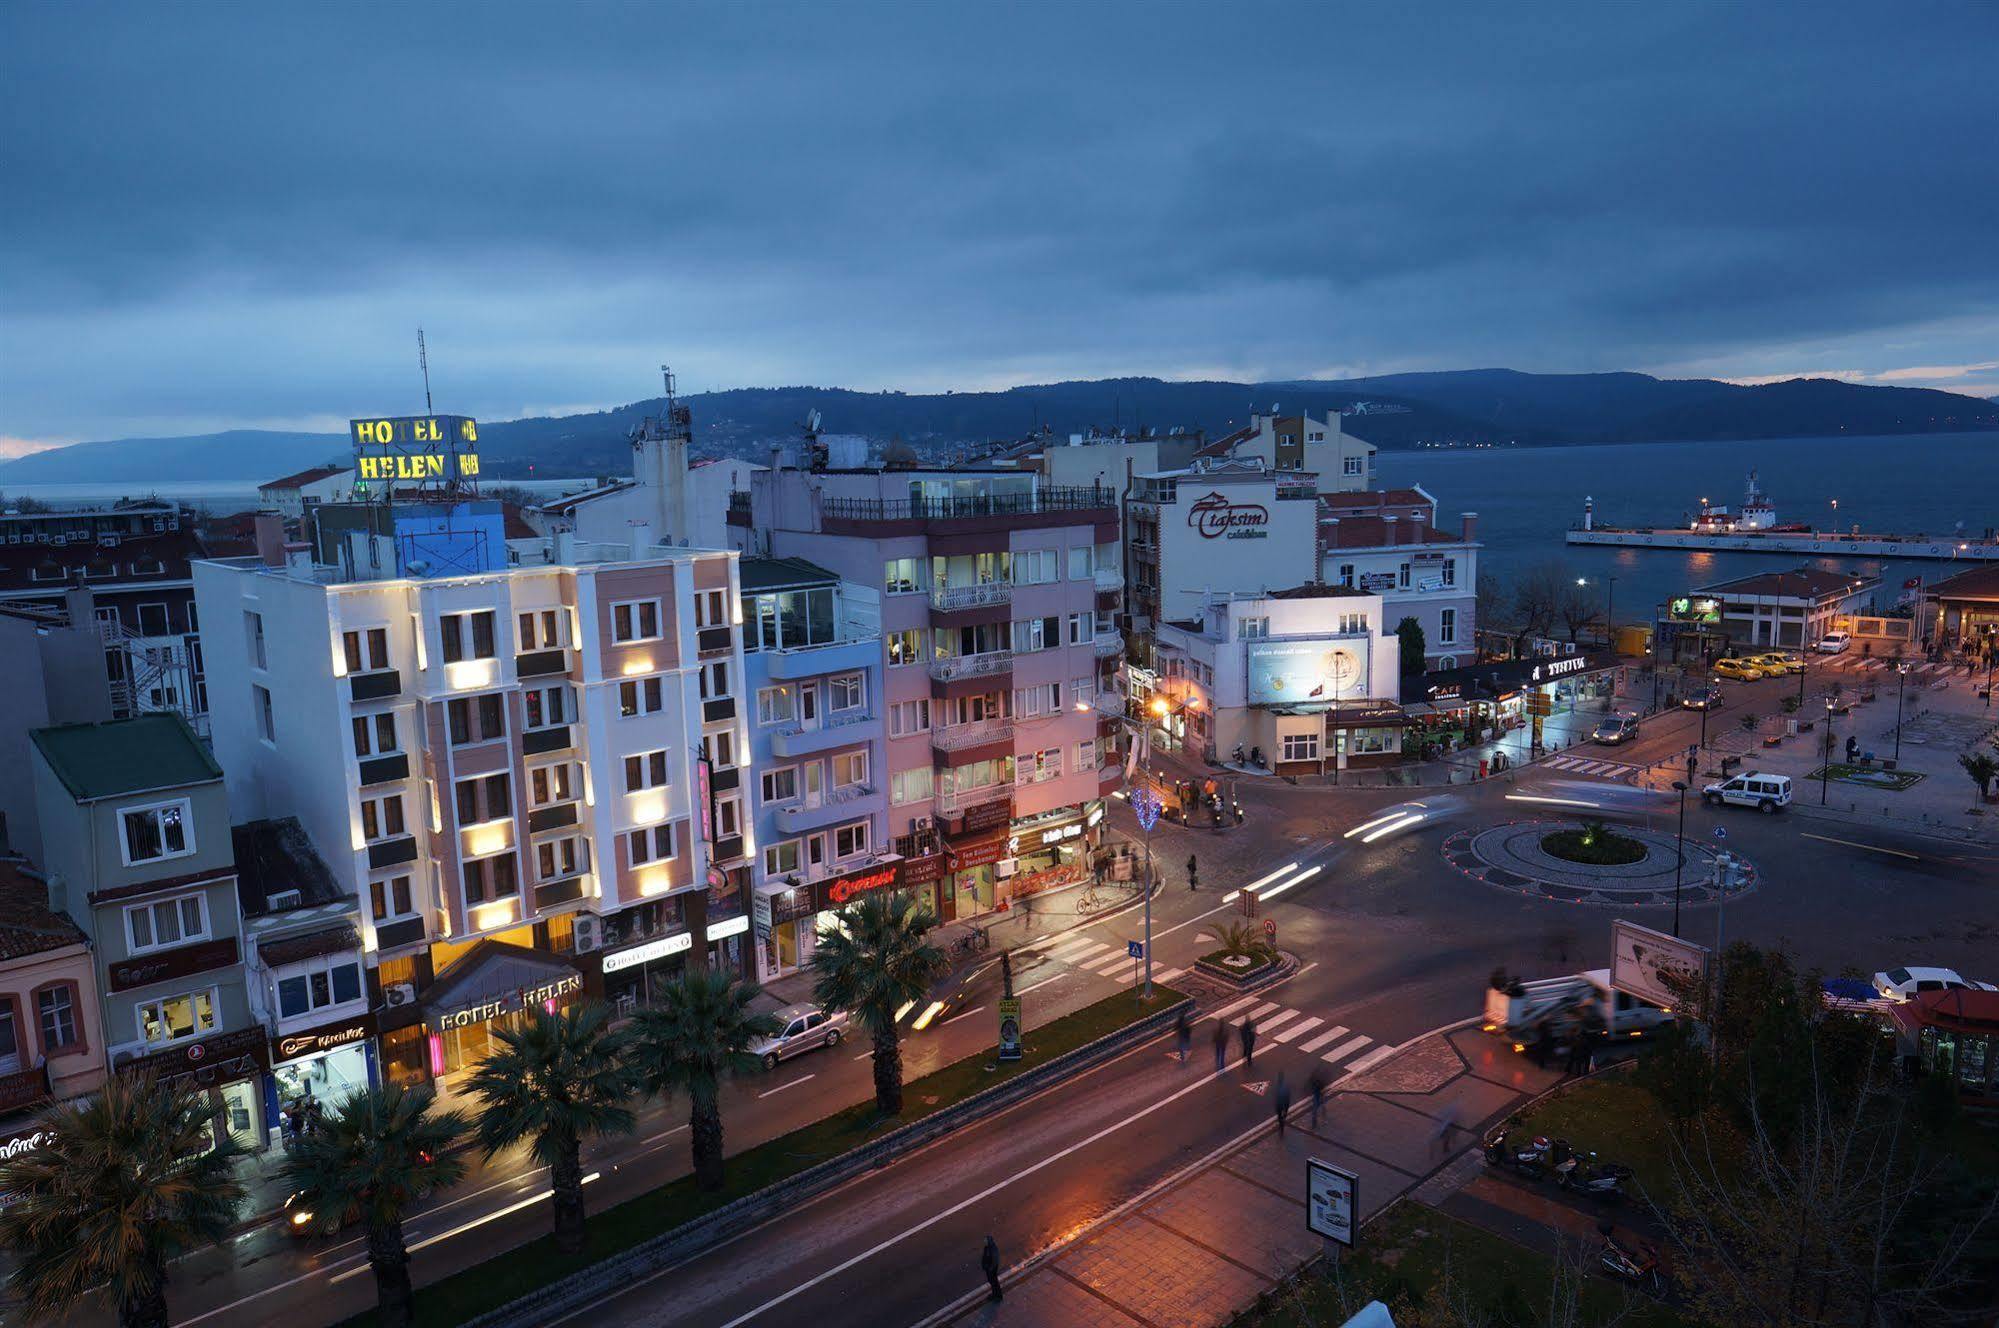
[1215,517]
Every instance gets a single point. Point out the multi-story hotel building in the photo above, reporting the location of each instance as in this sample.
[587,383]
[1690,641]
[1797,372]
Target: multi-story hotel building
[525,761]
[1387,542]
[999,659]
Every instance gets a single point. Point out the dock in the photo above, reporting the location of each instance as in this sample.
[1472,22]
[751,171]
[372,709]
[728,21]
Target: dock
[1813,544]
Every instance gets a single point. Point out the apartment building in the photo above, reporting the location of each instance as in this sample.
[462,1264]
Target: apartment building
[135,820]
[999,659]
[812,660]
[1322,447]
[51,1031]
[524,762]
[1387,543]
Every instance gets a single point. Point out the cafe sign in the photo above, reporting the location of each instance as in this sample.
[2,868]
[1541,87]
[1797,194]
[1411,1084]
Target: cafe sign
[328,1037]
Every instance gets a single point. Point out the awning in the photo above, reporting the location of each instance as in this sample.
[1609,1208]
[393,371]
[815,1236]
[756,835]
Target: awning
[494,979]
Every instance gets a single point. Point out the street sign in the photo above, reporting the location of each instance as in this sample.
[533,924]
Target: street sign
[1721,832]
[1009,1028]
[1270,927]
[1332,1194]
[1135,949]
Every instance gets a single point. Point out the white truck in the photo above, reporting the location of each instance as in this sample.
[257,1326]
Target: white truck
[1515,1009]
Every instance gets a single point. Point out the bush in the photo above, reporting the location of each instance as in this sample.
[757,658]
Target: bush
[1593,845]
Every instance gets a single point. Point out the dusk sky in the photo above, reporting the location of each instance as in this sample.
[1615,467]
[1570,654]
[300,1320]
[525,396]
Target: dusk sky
[237,216]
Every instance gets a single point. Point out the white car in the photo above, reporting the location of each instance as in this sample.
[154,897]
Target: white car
[1905,984]
[1834,643]
[804,1028]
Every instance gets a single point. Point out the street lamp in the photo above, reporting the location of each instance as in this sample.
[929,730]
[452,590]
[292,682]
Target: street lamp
[1680,786]
[1901,681]
[1609,613]
[1146,805]
[1825,769]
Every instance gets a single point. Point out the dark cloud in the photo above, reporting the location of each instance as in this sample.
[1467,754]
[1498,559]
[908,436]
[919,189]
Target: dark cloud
[223,214]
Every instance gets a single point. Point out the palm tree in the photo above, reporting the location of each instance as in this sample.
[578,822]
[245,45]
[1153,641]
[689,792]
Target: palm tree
[120,1185]
[698,1026]
[557,1079]
[874,963]
[367,1161]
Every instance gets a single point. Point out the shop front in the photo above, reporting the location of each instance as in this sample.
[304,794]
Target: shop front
[321,1066]
[800,912]
[229,1068]
[1955,1033]
[973,847]
[1446,706]
[634,972]
[485,991]
[1052,851]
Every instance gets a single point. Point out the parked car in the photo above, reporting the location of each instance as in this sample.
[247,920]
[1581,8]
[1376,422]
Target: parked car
[1766,793]
[1707,698]
[1739,669]
[806,1028]
[1834,643]
[1904,984]
[1776,662]
[1616,728]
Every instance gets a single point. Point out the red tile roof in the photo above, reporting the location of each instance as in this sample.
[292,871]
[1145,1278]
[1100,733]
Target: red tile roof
[1371,532]
[28,926]
[1373,500]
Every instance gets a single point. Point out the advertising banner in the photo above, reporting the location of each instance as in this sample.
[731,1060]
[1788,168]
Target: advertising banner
[1332,1195]
[1306,672]
[1009,1029]
[1645,963]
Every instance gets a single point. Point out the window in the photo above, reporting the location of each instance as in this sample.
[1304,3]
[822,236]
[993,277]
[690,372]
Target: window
[253,632]
[317,984]
[850,840]
[177,1017]
[721,749]
[550,784]
[1450,577]
[1037,567]
[164,922]
[711,608]
[912,785]
[267,720]
[781,859]
[652,844]
[55,1008]
[776,705]
[1350,465]
[467,635]
[1041,699]
[728,818]
[382,818]
[549,707]
[375,735]
[1082,628]
[1079,562]
[542,629]
[1447,627]
[639,696]
[153,620]
[484,798]
[1086,754]
[1252,629]
[556,858]
[635,621]
[157,832]
[907,717]
[645,770]
[715,680]
[1353,624]
[1301,746]
[850,769]
[491,878]
[846,692]
[780,785]
[390,899]
[1402,577]
[901,576]
[905,647]
[1042,765]
[366,649]
[475,719]
[1346,575]
[1030,634]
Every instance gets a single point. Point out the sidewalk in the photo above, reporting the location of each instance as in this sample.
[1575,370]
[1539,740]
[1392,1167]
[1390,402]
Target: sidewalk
[1202,1245]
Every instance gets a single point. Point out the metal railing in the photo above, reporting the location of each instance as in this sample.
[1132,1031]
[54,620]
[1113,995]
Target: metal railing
[1109,579]
[1109,645]
[1053,499]
[975,596]
[956,737]
[990,664]
[1110,705]
[952,802]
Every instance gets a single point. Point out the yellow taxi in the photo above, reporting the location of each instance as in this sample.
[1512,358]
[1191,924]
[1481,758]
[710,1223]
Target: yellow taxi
[1739,669]
[1777,662]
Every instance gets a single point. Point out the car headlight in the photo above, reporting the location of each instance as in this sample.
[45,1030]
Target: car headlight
[300,1217]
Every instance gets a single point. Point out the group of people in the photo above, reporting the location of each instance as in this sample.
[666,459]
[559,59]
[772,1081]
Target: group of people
[297,1119]
[1246,1036]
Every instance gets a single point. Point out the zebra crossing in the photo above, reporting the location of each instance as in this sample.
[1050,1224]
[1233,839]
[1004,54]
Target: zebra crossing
[1108,961]
[1309,1034]
[1923,671]
[1583,765]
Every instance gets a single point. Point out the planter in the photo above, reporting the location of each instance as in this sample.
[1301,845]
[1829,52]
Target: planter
[1773,742]
[1238,970]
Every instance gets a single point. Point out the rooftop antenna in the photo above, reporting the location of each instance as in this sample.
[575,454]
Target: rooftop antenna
[423,363]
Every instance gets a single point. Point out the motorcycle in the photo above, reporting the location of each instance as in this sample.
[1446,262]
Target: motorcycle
[1633,1262]
[1237,758]
[1603,1180]
[1256,757]
[1530,1157]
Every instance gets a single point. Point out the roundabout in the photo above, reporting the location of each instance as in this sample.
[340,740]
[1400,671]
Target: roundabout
[1510,856]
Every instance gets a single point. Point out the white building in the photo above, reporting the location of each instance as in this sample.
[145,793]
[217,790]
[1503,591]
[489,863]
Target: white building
[291,496]
[1387,543]
[1309,675]
[1298,442]
[669,498]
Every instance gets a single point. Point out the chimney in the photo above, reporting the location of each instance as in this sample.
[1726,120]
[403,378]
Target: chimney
[1471,526]
[270,532]
[1390,534]
[1416,527]
[80,605]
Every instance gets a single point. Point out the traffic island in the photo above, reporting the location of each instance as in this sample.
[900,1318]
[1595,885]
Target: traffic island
[1533,858]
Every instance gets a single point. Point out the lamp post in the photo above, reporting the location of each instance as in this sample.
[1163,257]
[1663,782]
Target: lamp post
[1825,769]
[1901,681]
[1680,786]
[1146,805]
[1609,611]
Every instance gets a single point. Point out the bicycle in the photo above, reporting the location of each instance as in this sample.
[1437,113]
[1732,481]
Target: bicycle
[975,941]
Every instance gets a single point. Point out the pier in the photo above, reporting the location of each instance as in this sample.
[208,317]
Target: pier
[1826,544]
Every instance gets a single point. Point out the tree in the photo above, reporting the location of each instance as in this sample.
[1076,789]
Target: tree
[874,963]
[556,1079]
[1982,769]
[1410,633]
[121,1185]
[1575,607]
[698,1027]
[1246,938]
[376,1153]
[1491,605]
[1537,602]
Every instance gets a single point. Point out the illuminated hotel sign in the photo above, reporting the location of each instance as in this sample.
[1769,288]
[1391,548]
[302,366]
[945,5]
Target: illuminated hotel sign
[415,448]
[618,961]
[525,998]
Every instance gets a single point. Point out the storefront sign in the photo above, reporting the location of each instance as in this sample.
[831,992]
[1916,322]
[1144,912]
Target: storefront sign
[619,960]
[221,1059]
[18,1144]
[800,901]
[467,1015]
[1559,668]
[1215,517]
[920,871]
[760,915]
[976,855]
[841,889]
[1058,835]
[1377,581]
[331,1037]
[1096,815]
[144,970]
[1694,608]
[987,815]
[727,927]
[23,1087]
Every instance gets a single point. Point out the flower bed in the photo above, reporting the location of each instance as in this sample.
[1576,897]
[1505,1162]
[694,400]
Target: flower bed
[1593,846]
[1230,966]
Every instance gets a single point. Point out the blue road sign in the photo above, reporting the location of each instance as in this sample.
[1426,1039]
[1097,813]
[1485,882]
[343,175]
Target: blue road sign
[1721,832]
[1136,949]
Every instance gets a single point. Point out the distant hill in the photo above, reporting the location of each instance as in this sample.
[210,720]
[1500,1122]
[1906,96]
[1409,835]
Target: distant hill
[1406,410]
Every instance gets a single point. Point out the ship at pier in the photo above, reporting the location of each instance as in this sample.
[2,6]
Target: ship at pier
[1754,528]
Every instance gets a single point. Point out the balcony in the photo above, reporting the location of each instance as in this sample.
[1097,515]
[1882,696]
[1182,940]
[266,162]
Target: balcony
[1051,499]
[795,662]
[376,686]
[714,641]
[1109,645]
[553,894]
[953,668]
[729,848]
[841,730]
[536,742]
[385,769]
[957,737]
[979,595]
[392,852]
[553,817]
[725,778]
[716,710]
[1109,705]
[395,935]
[541,663]
[848,803]
[1109,580]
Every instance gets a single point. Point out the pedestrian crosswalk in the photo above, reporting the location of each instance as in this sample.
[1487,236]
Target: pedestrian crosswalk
[1584,765]
[1920,672]
[1104,960]
[1301,1032]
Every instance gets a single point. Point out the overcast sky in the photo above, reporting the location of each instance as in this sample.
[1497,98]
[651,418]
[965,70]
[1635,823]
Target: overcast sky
[231,215]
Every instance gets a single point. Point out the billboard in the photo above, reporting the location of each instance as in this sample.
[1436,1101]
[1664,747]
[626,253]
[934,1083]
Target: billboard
[1694,608]
[415,448]
[1311,672]
[1642,961]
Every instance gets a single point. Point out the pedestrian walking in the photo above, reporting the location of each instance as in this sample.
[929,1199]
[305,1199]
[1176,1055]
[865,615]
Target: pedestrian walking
[1183,1033]
[1316,1086]
[1248,1035]
[1543,1045]
[1193,873]
[1281,1101]
[1440,1138]
[989,1262]
[1221,1045]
